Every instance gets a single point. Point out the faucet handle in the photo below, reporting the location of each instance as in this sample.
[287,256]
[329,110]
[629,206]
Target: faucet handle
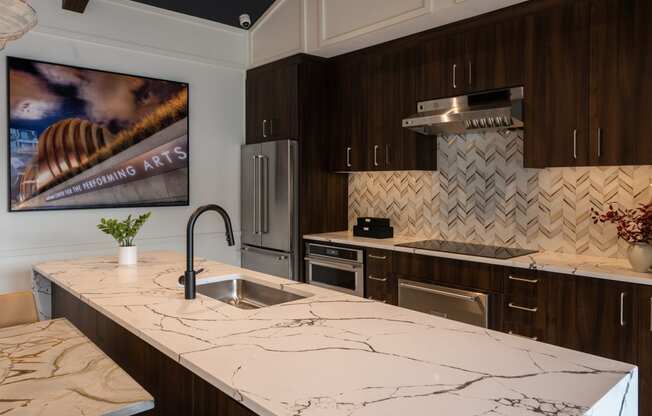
[182,278]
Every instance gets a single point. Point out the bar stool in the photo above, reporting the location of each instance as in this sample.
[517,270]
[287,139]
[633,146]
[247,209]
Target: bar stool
[17,308]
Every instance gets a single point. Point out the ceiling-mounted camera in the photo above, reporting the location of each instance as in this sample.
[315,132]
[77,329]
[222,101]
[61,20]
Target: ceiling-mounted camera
[245,21]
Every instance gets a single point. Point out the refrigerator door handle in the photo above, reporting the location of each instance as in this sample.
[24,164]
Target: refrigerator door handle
[264,197]
[255,194]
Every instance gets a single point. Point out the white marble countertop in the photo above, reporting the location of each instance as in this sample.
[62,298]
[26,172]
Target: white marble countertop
[590,266]
[338,355]
[50,368]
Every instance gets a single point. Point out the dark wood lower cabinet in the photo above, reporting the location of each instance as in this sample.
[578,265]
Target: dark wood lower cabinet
[380,282]
[605,319]
[644,308]
[176,390]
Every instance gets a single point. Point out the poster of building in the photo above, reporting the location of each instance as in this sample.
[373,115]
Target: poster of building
[83,138]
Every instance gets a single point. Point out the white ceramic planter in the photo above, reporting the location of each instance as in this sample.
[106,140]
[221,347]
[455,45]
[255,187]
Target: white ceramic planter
[640,257]
[128,256]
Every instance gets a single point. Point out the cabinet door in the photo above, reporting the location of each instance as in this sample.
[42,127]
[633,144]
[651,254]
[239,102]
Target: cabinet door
[272,103]
[605,320]
[480,59]
[380,283]
[255,108]
[557,80]
[348,149]
[440,67]
[644,349]
[390,98]
[621,42]
[283,107]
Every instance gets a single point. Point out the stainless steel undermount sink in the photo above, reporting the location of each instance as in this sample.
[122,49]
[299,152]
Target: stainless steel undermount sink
[244,294]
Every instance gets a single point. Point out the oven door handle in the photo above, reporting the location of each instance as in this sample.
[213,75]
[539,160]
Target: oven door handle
[334,264]
[440,292]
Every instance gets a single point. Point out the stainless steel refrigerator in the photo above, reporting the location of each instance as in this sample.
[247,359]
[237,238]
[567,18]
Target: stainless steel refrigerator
[269,208]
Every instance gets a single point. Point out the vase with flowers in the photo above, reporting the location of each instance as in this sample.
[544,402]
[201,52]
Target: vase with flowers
[635,227]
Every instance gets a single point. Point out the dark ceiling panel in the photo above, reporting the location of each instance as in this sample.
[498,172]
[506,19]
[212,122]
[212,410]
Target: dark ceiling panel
[223,11]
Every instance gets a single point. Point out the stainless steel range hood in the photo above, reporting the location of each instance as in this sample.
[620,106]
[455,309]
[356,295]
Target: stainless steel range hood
[491,110]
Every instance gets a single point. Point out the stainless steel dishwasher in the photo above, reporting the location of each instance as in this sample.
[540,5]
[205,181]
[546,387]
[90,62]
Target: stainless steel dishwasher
[456,304]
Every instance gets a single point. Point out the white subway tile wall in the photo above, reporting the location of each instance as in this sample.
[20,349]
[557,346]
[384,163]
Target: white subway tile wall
[481,193]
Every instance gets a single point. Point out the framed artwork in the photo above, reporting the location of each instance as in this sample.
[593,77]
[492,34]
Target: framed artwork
[82,138]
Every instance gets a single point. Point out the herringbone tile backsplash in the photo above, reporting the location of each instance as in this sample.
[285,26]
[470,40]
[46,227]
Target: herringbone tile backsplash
[482,194]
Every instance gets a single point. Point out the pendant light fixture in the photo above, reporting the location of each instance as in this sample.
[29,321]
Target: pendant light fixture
[16,18]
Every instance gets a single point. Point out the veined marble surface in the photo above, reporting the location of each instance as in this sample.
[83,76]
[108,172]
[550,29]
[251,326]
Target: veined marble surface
[590,266]
[50,368]
[338,355]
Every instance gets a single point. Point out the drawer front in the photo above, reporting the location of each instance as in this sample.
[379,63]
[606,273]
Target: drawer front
[380,283]
[524,305]
[468,275]
[522,284]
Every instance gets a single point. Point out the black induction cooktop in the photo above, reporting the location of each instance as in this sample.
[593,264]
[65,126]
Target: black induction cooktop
[494,252]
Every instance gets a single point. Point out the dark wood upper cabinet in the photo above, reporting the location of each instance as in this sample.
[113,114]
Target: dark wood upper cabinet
[373,91]
[587,84]
[272,103]
[485,57]
[556,83]
[621,41]
[348,150]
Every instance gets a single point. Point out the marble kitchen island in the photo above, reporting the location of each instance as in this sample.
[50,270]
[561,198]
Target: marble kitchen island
[335,354]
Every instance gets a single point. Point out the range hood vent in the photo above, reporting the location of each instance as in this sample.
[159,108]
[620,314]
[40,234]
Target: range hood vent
[491,110]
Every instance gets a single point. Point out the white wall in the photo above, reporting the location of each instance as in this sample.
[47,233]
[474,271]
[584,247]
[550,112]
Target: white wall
[122,36]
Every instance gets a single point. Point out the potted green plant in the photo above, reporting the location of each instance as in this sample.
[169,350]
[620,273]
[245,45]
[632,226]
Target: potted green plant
[635,227]
[124,232]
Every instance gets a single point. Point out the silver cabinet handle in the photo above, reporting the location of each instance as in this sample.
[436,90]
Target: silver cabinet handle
[387,161]
[599,142]
[622,309]
[333,264]
[265,128]
[522,308]
[650,314]
[371,256]
[521,279]
[376,155]
[470,73]
[377,279]
[348,157]
[439,292]
[575,144]
[523,336]
[454,76]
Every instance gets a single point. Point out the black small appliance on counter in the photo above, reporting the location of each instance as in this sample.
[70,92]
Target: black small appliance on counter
[373,228]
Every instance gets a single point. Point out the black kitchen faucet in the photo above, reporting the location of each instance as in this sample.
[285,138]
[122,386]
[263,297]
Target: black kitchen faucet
[189,277]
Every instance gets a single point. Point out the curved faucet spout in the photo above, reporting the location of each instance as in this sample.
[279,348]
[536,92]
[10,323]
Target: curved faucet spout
[189,280]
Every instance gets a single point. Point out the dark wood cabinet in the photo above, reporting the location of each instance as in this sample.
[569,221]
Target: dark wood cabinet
[373,91]
[644,345]
[485,57]
[586,83]
[380,282]
[348,149]
[272,103]
[525,304]
[621,40]
[557,82]
[605,320]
